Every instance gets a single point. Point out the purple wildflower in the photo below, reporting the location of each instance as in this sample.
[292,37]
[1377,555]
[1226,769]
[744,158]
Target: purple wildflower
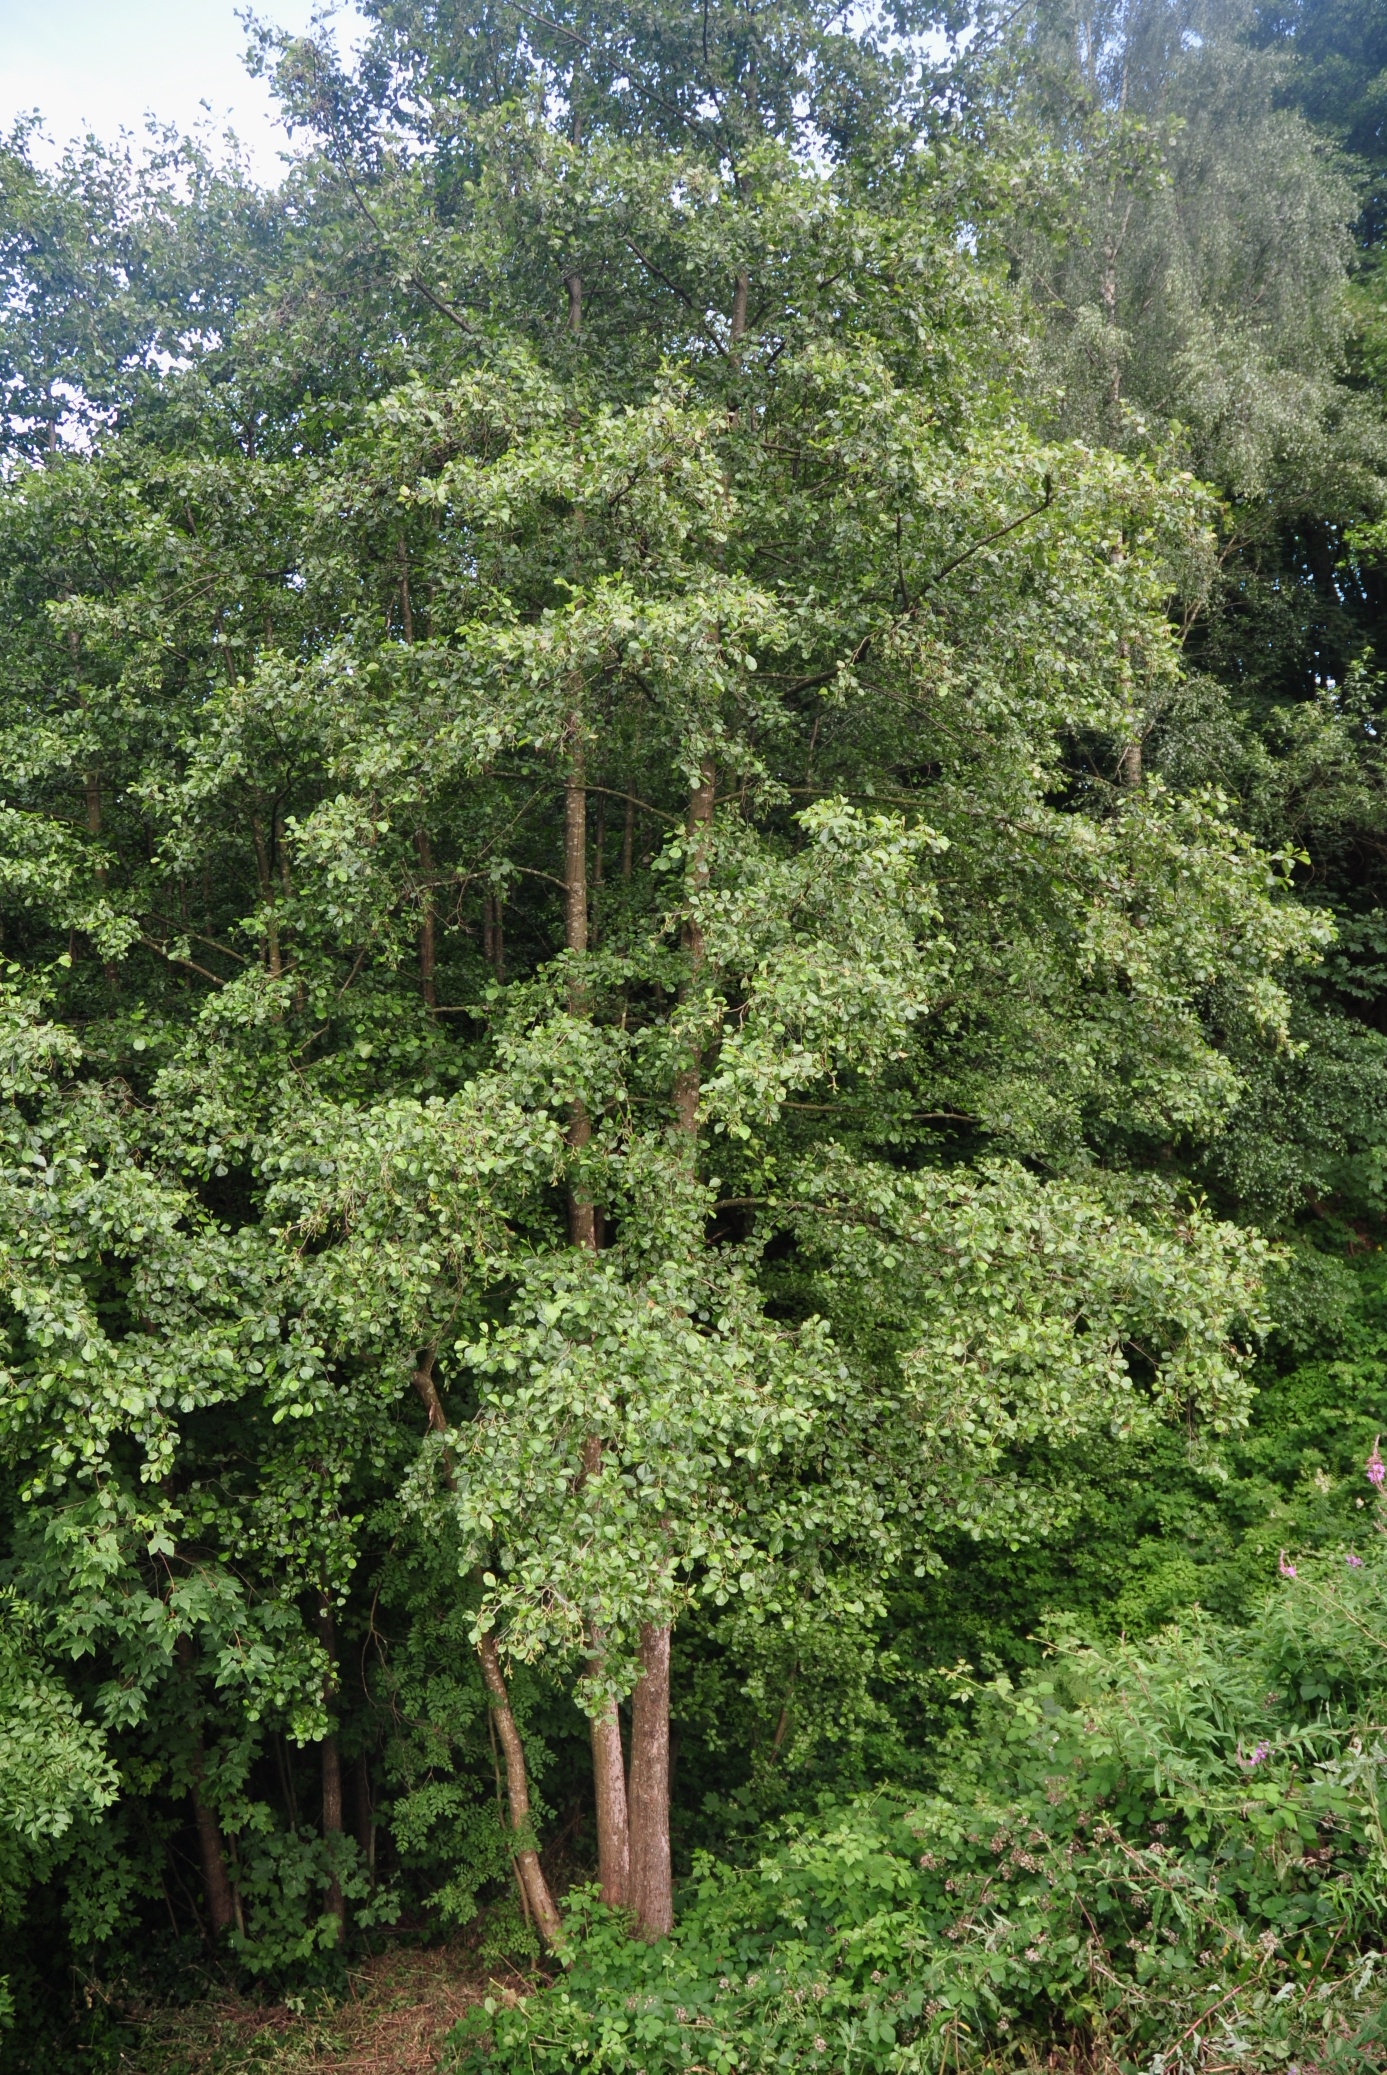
[1286,1568]
[1355,1563]
[1260,1752]
[1376,1468]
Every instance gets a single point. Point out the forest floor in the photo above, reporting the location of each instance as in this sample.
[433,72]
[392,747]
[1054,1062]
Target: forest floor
[399,2006]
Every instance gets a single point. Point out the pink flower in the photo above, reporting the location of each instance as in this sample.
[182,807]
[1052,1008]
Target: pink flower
[1355,1563]
[1286,1569]
[1376,1468]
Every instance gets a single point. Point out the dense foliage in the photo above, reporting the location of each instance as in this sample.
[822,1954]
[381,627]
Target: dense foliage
[692,1036]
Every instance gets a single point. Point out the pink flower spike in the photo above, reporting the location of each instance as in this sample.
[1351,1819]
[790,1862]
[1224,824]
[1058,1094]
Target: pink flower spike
[1376,1468]
[1286,1569]
[1355,1563]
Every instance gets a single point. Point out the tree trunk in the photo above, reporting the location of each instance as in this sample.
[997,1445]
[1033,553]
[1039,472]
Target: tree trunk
[628,839]
[652,1888]
[493,941]
[267,897]
[221,1903]
[608,1763]
[582,1226]
[608,1767]
[332,1764]
[332,1825]
[613,1819]
[699,824]
[365,1816]
[652,1893]
[406,602]
[534,1887]
[427,950]
[527,1864]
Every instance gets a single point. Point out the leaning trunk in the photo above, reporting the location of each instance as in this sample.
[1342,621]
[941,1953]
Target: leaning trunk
[530,1874]
[527,1866]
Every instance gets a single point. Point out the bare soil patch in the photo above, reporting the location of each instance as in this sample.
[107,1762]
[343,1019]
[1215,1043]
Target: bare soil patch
[399,2007]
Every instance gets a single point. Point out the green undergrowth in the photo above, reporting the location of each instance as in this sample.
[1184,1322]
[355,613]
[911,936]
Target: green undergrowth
[1159,1855]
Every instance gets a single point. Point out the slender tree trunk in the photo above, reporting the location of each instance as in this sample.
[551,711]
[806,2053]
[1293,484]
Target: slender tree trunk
[699,824]
[573,282]
[365,1816]
[427,950]
[332,1763]
[493,941]
[652,1895]
[286,1781]
[332,1824]
[608,1762]
[267,896]
[406,603]
[221,1902]
[599,844]
[582,1228]
[1129,763]
[609,1782]
[652,1888]
[530,1874]
[608,1766]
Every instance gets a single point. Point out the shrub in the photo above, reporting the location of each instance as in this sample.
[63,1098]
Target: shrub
[1156,1848]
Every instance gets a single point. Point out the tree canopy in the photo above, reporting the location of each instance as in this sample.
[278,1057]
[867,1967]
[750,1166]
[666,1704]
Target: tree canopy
[689,886]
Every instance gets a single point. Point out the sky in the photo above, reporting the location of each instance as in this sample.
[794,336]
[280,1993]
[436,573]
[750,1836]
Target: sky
[104,64]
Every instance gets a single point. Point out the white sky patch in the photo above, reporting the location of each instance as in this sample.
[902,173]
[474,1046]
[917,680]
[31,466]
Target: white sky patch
[107,65]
